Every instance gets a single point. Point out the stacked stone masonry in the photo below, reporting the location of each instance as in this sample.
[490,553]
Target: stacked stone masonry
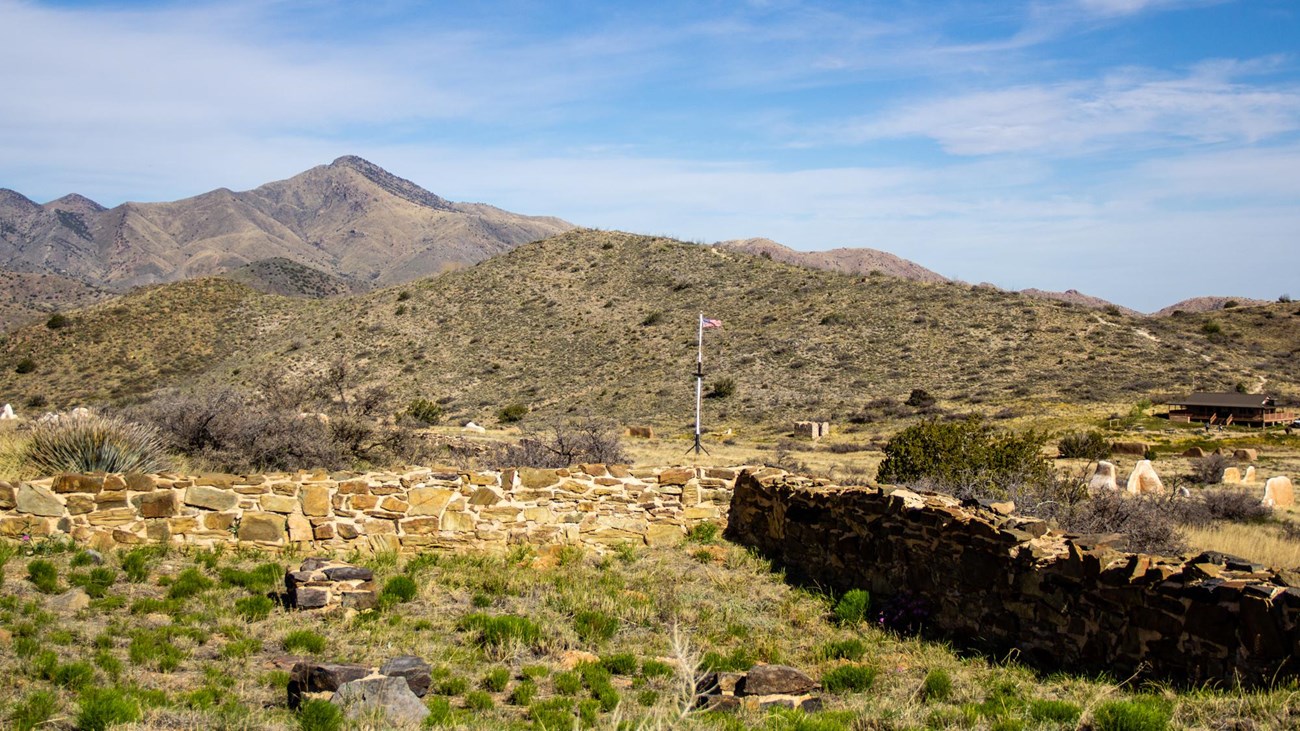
[594,505]
[1005,584]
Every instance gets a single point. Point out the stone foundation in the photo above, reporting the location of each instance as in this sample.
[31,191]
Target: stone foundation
[1008,585]
[440,507]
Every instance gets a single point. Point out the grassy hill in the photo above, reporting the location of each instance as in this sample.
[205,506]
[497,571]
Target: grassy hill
[604,323]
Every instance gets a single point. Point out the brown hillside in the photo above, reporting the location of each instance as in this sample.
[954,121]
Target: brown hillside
[1207,304]
[350,219]
[604,323]
[850,261]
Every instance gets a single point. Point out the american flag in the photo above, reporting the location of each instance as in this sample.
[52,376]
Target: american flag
[709,322]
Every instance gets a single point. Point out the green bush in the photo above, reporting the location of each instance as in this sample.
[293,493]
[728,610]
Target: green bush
[1084,445]
[254,608]
[502,630]
[317,714]
[452,685]
[622,663]
[850,649]
[33,711]
[190,582]
[567,683]
[425,411]
[1210,327]
[1062,712]
[512,413]
[440,713]
[721,388]
[1138,714]
[100,708]
[57,321]
[937,685]
[44,575]
[303,640]
[656,669]
[95,582]
[849,679]
[593,626]
[135,564]
[477,700]
[705,532]
[496,680]
[852,608]
[26,365]
[398,589]
[964,453]
[523,694]
[95,443]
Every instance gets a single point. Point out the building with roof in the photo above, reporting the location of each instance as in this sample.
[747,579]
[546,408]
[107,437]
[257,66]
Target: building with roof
[1245,409]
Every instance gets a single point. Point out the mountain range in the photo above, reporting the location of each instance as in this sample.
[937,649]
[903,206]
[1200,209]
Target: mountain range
[350,219]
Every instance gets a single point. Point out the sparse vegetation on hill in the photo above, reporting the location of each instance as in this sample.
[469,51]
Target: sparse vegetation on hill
[560,326]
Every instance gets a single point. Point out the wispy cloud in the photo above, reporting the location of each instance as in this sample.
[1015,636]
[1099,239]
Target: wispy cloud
[1123,110]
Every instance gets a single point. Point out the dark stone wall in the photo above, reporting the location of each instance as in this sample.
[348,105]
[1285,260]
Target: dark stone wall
[1004,584]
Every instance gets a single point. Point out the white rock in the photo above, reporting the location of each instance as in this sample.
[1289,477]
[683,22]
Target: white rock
[7,412]
[1278,492]
[1103,478]
[472,427]
[1144,480]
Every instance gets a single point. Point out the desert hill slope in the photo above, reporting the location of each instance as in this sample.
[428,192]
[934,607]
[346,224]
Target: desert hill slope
[291,279]
[604,323]
[850,261]
[350,219]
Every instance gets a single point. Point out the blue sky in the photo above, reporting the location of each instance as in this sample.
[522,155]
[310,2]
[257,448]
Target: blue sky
[1140,150]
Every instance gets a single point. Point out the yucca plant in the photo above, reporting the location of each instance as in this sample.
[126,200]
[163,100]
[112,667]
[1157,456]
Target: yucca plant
[95,443]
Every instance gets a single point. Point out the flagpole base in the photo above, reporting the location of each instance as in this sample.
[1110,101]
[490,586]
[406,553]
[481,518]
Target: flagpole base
[697,447]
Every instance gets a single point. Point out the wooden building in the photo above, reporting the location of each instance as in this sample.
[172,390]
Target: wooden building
[1245,409]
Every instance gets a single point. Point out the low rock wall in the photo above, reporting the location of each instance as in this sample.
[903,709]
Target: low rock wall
[1004,584]
[595,505]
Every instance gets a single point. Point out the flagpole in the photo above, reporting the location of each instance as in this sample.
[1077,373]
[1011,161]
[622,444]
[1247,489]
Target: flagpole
[699,383]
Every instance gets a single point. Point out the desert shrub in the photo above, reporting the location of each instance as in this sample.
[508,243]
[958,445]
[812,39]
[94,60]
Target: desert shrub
[721,388]
[44,575]
[57,321]
[588,440]
[920,398]
[100,708]
[654,318]
[502,630]
[512,413]
[850,649]
[852,608]
[188,583]
[622,663]
[964,455]
[95,582]
[95,443]
[1209,506]
[594,626]
[937,685]
[254,608]
[496,680]
[656,669]
[1208,470]
[1084,445]
[318,714]
[477,700]
[26,365]
[303,640]
[1061,712]
[523,694]
[704,532]
[259,580]
[1210,327]
[1138,714]
[849,679]
[33,711]
[135,564]
[398,589]
[1148,523]
[424,411]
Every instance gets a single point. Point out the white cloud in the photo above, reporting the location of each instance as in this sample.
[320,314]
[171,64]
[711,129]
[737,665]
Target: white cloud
[1125,110]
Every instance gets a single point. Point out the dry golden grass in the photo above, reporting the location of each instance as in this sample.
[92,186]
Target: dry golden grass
[1263,543]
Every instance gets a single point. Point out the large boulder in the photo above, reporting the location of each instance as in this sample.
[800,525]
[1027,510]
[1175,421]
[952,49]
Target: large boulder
[320,677]
[1144,480]
[775,680]
[1279,492]
[388,698]
[1103,477]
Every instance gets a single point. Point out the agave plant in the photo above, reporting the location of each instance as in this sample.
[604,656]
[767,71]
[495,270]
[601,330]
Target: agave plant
[95,443]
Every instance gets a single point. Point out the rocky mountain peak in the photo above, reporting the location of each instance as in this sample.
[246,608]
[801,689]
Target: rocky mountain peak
[400,187]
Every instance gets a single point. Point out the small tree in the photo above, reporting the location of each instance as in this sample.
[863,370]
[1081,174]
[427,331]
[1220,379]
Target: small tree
[964,455]
[1084,445]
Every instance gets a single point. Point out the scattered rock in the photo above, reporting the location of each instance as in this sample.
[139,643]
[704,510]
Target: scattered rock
[775,680]
[1103,477]
[69,602]
[392,697]
[1231,476]
[1278,492]
[1246,455]
[1194,453]
[318,677]
[415,670]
